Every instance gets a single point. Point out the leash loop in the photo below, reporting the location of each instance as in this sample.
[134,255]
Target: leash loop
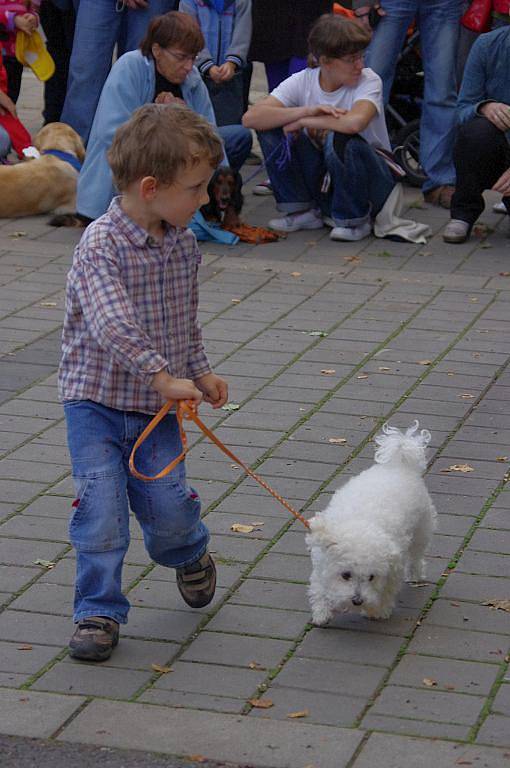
[185,409]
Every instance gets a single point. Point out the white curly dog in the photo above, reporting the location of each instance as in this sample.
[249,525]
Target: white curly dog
[374,532]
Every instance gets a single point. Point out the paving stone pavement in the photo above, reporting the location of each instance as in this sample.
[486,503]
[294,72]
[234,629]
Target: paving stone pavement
[319,340]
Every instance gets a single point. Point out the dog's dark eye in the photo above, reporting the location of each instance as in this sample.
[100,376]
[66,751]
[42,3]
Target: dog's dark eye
[346,575]
[371,577]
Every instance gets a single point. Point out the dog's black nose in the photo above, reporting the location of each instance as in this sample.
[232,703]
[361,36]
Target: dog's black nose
[357,600]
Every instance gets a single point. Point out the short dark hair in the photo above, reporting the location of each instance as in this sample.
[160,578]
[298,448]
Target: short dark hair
[173,28]
[334,36]
[160,140]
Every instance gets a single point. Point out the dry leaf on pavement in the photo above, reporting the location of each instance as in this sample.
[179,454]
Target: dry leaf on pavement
[429,682]
[467,396]
[296,715]
[159,668]
[362,376]
[458,468]
[196,758]
[25,647]
[337,440]
[255,665]
[243,528]
[328,371]
[261,703]
[498,605]
[295,274]
[424,362]
[503,459]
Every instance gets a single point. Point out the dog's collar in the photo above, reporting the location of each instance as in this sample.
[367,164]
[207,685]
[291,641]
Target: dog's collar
[66,156]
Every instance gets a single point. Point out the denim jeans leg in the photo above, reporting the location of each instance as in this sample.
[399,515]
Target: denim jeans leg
[135,23]
[5,142]
[238,142]
[439,33]
[99,525]
[168,510]
[388,39]
[96,32]
[360,179]
[296,179]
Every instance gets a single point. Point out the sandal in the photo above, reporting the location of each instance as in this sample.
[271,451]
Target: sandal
[197,582]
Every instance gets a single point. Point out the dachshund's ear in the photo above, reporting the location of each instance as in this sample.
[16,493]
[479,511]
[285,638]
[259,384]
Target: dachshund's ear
[237,196]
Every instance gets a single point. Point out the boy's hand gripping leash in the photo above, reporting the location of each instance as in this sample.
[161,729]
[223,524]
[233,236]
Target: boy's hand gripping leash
[186,410]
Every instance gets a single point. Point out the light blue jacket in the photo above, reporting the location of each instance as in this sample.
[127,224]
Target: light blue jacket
[487,74]
[130,84]
[227,35]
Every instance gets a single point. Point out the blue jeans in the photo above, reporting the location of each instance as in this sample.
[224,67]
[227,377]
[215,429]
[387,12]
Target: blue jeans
[438,22]
[237,140]
[100,440]
[99,27]
[360,179]
[5,142]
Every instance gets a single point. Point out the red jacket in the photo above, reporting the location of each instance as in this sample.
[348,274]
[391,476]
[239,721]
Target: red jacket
[18,134]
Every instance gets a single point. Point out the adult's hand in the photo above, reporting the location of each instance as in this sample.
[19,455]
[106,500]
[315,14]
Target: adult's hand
[26,22]
[498,113]
[362,15]
[135,4]
[503,184]
[6,105]
[165,97]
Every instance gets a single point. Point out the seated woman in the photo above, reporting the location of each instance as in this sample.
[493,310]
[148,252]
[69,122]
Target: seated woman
[482,151]
[334,114]
[162,71]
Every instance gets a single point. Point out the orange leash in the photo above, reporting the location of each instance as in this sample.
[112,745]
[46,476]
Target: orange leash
[183,410]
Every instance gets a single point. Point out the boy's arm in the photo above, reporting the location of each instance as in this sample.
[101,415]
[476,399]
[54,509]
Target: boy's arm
[204,60]
[353,121]
[112,319]
[271,113]
[237,52]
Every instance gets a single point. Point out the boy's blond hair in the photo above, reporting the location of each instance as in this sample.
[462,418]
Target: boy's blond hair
[160,140]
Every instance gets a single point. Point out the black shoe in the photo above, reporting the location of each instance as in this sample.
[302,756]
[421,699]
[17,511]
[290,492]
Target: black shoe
[197,582]
[94,638]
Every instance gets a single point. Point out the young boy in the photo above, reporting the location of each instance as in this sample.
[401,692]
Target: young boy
[131,341]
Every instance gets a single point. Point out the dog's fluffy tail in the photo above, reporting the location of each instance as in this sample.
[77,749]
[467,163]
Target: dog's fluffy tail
[406,447]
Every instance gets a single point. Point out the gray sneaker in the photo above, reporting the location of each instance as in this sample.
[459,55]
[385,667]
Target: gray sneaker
[94,638]
[456,231]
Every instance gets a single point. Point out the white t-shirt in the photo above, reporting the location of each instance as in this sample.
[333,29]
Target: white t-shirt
[303,90]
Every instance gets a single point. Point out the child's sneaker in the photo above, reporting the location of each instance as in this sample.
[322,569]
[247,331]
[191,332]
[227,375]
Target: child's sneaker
[351,234]
[94,638]
[263,188]
[197,582]
[295,221]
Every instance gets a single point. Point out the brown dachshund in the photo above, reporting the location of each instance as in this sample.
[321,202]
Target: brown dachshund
[225,198]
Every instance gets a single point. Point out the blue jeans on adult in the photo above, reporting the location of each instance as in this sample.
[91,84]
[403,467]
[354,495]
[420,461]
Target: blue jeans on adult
[99,27]
[238,141]
[360,179]
[5,142]
[438,22]
[100,440]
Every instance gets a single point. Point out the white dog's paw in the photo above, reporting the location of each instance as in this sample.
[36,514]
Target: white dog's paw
[320,615]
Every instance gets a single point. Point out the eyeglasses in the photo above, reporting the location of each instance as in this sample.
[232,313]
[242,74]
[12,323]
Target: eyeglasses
[182,58]
[354,59]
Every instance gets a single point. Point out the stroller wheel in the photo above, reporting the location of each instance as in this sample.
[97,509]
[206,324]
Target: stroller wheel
[407,152]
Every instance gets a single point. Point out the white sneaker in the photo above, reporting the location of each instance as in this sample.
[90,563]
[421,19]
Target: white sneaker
[351,233]
[456,231]
[295,221]
[264,188]
[499,207]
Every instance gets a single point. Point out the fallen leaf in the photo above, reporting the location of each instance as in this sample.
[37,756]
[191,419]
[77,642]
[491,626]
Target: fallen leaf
[234,466]
[503,459]
[362,376]
[455,605]
[384,368]
[429,682]
[159,668]
[458,468]
[235,301]
[296,715]
[337,440]
[230,407]
[467,396]
[473,300]
[328,371]
[48,304]
[353,259]
[196,758]
[417,584]
[255,665]
[25,647]
[321,334]
[504,274]
[15,235]
[295,274]
[242,528]
[45,563]
[498,605]
[424,362]
[261,703]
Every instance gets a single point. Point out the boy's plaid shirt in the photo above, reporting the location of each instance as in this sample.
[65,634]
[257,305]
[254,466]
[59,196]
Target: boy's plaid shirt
[131,311]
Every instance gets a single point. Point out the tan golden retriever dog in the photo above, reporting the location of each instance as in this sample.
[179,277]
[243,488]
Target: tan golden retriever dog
[44,184]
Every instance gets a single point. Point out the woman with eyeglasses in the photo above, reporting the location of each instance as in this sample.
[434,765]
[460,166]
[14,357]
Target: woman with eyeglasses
[161,71]
[333,116]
